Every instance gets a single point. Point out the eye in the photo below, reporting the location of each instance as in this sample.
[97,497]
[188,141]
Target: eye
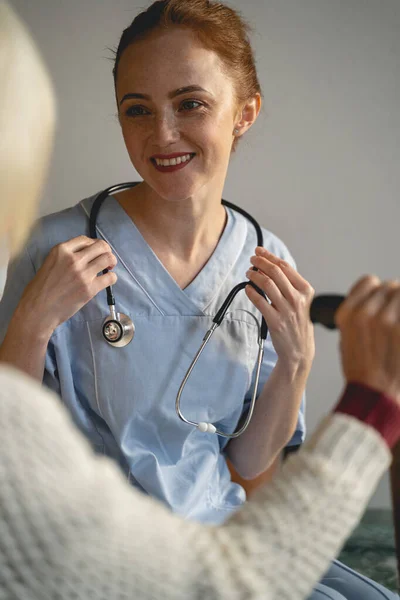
[136,111]
[190,104]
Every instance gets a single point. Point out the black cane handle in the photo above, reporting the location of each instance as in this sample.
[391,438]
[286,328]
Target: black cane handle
[323,308]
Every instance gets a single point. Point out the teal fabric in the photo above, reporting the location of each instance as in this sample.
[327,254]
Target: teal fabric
[371,548]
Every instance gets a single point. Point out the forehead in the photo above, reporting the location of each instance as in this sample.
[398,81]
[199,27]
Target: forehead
[169,60]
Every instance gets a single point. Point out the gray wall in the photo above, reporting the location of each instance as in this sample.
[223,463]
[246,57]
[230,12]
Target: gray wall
[321,166]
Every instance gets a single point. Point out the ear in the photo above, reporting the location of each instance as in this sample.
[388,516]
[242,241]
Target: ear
[247,114]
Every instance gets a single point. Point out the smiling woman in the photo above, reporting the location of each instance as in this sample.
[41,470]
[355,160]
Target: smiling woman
[186,89]
[161,119]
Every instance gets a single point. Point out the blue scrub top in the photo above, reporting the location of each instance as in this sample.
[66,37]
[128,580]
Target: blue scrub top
[123,399]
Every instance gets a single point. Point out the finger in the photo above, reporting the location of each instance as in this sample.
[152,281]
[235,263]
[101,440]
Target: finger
[358,293]
[102,281]
[374,302]
[276,274]
[362,289]
[104,261]
[90,253]
[78,243]
[267,310]
[390,312]
[293,276]
[268,286]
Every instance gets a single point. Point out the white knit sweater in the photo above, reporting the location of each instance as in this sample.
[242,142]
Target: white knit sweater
[71,528]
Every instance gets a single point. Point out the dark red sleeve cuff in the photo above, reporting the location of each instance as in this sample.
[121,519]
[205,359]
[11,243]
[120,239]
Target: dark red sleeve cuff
[373,408]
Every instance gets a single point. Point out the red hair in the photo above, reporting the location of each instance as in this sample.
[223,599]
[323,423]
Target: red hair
[218,27]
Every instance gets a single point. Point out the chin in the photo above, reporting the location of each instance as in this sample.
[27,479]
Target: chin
[172,189]
[175,195]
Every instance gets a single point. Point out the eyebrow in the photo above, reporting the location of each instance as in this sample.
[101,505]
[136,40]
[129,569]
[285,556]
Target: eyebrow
[178,92]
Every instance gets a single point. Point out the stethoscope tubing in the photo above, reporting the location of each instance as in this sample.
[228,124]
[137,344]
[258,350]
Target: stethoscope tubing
[323,307]
[322,310]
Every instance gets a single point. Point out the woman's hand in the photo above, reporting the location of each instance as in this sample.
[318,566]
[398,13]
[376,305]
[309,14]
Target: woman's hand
[288,315]
[369,322]
[67,280]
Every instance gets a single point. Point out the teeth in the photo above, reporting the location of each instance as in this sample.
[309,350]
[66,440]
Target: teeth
[173,161]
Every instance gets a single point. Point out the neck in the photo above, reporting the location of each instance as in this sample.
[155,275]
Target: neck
[183,229]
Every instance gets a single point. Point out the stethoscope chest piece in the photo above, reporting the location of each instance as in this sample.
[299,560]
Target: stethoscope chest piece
[118,331]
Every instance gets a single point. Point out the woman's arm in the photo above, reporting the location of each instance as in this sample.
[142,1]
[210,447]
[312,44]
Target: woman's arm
[25,343]
[277,408]
[250,485]
[66,281]
[273,422]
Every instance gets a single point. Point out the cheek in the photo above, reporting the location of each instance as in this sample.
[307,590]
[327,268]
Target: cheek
[220,132]
[132,138]
[219,142]
[212,135]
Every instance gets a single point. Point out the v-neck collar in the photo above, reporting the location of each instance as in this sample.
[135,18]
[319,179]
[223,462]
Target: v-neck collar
[143,265]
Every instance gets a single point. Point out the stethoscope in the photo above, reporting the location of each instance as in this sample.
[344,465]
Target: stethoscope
[118,329]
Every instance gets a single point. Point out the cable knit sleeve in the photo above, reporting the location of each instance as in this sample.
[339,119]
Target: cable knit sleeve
[71,528]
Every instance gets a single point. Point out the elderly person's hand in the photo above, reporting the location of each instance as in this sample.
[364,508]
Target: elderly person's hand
[369,322]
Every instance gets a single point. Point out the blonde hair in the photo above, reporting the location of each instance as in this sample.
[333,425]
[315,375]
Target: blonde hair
[27,118]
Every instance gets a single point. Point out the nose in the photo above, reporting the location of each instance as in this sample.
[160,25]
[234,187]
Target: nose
[165,129]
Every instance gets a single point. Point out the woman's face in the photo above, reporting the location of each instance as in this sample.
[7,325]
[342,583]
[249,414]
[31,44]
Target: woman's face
[176,103]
